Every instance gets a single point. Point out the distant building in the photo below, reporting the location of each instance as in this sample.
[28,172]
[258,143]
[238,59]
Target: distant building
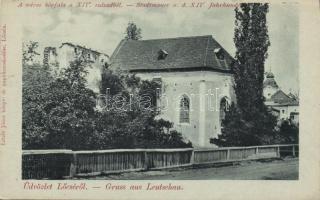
[196,78]
[284,106]
[59,58]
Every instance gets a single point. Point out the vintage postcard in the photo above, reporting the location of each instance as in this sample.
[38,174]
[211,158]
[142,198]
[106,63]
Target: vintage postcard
[157,99]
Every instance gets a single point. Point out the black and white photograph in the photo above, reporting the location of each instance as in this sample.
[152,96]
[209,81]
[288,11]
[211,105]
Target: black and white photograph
[160,91]
[156,99]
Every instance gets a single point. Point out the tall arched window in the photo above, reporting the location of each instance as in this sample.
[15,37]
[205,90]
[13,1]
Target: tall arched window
[185,109]
[224,106]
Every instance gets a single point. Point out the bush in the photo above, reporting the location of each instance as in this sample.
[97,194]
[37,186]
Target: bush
[288,133]
[239,131]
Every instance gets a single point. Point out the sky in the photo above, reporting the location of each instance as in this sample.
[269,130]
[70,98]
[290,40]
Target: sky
[102,29]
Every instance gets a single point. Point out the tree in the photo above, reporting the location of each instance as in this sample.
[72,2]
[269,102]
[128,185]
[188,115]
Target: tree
[70,109]
[132,122]
[29,51]
[35,89]
[60,112]
[288,133]
[249,122]
[133,32]
[252,42]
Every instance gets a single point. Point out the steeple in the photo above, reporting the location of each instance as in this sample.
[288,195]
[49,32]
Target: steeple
[270,85]
[269,80]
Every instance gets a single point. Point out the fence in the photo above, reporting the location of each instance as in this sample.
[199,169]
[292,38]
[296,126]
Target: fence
[55,164]
[39,164]
[231,154]
[122,160]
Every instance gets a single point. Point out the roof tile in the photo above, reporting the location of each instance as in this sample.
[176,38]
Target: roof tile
[183,52]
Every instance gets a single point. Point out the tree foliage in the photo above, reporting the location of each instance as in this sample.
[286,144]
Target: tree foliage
[60,112]
[252,41]
[249,122]
[36,83]
[133,32]
[65,108]
[132,122]
[29,51]
[288,133]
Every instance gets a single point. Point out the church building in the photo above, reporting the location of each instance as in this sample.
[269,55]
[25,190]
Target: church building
[196,81]
[195,76]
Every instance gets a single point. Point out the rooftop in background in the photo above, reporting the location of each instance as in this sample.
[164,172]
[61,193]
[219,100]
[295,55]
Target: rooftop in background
[278,97]
[181,53]
[281,98]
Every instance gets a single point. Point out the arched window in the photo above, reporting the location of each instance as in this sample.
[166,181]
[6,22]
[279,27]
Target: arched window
[224,106]
[185,109]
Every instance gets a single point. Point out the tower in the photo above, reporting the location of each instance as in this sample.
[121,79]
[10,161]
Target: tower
[270,86]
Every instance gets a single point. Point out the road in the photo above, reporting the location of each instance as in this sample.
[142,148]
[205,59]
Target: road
[287,169]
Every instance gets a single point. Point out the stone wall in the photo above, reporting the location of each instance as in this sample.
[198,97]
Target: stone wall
[58,59]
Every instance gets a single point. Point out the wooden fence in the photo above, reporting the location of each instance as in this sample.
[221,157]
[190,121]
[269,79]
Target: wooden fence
[56,164]
[39,164]
[231,154]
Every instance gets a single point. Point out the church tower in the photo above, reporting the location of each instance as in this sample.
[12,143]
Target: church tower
[270,86]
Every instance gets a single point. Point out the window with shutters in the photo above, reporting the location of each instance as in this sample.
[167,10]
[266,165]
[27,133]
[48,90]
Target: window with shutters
[185,109]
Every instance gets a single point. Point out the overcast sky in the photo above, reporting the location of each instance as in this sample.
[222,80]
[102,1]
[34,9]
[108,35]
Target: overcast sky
[102,29]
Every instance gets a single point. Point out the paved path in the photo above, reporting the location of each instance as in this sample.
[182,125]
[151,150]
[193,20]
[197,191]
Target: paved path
[252,170]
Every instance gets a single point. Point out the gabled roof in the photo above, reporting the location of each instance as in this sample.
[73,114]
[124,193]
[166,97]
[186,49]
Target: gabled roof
[282,99]
[184,53]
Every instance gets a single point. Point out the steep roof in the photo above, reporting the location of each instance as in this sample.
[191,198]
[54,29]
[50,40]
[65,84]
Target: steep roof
[191,53]
[281,98]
